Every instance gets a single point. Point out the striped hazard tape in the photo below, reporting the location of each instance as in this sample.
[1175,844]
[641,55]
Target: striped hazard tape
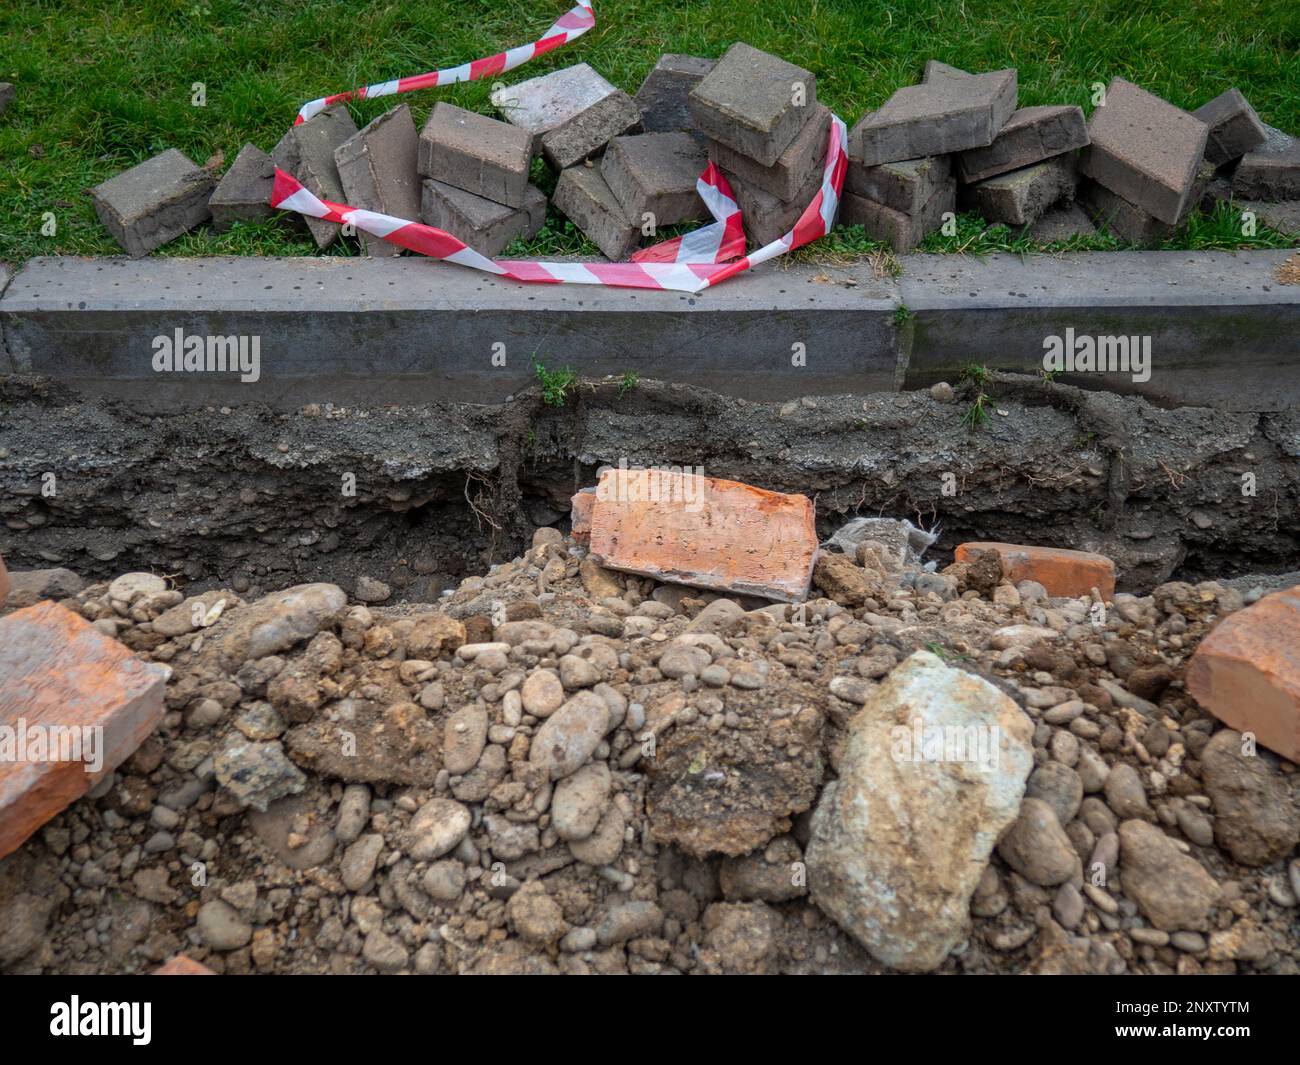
[688,263]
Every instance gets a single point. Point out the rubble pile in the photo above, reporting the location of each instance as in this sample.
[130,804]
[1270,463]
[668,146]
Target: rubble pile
[565,768]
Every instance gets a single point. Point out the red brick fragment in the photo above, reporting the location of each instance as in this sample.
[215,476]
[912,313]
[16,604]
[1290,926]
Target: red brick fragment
[74,704]
[580,515]
[701,531]
[182,966]
[1061,571]
[1246,672]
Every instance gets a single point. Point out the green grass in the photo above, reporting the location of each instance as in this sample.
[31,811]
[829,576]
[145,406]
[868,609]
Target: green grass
[555,384]
[103,85]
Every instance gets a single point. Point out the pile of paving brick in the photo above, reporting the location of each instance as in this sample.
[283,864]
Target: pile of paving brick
[1138,167]
[626,167]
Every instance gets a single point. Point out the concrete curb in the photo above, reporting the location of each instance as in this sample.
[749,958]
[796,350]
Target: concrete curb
[1222,331]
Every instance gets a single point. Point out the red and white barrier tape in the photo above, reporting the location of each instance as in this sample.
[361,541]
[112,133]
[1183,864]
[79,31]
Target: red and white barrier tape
[687,263]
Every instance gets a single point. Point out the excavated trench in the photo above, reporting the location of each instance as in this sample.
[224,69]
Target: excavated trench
[419,497]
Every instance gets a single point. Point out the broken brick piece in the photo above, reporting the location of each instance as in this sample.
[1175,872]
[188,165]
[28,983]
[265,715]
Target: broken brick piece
[701,531]
[67,692]
[244,193]
[581,506]
[1062,572]
[181,965]
[1246,672]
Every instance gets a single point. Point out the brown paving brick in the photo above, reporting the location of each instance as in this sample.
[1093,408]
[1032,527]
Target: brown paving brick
[704,532]
[1062,572]
[56,670]
[1246,672]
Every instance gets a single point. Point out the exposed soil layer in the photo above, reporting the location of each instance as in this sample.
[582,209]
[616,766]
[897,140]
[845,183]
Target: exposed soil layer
[257,500]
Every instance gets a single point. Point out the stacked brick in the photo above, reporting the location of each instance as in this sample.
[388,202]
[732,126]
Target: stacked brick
[626,167]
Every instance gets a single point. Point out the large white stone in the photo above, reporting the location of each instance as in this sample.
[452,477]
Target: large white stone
[900,840]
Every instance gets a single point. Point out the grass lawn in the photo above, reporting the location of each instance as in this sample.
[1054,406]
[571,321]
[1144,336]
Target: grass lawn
[105,84]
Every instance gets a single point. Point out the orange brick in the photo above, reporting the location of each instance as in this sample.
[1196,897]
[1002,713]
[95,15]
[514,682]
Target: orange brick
[58,672]
[580,515]
[700,531]
[1060,571]
[1247,671]
[5,583]
[182,966]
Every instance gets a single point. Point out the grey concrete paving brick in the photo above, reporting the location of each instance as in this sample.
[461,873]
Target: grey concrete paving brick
[544,103]
[486,226]
[754,102]
[663,96]
[307,152]
[244,192]
[945,114]
[154,202]
[1272,171]
[1021,197]
[1129,221]
[347,330]
[1222,331]
[902,232]
[583,197]
[586,134]
[1125,220]
[1234,127]
[1145,149]
[478,154]
[377,170]
[7,95]
[766,218]
[1031,135]
[653,177]
[1062,222]
[1283,216]
[907,185]
[935,69]
[783,179]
